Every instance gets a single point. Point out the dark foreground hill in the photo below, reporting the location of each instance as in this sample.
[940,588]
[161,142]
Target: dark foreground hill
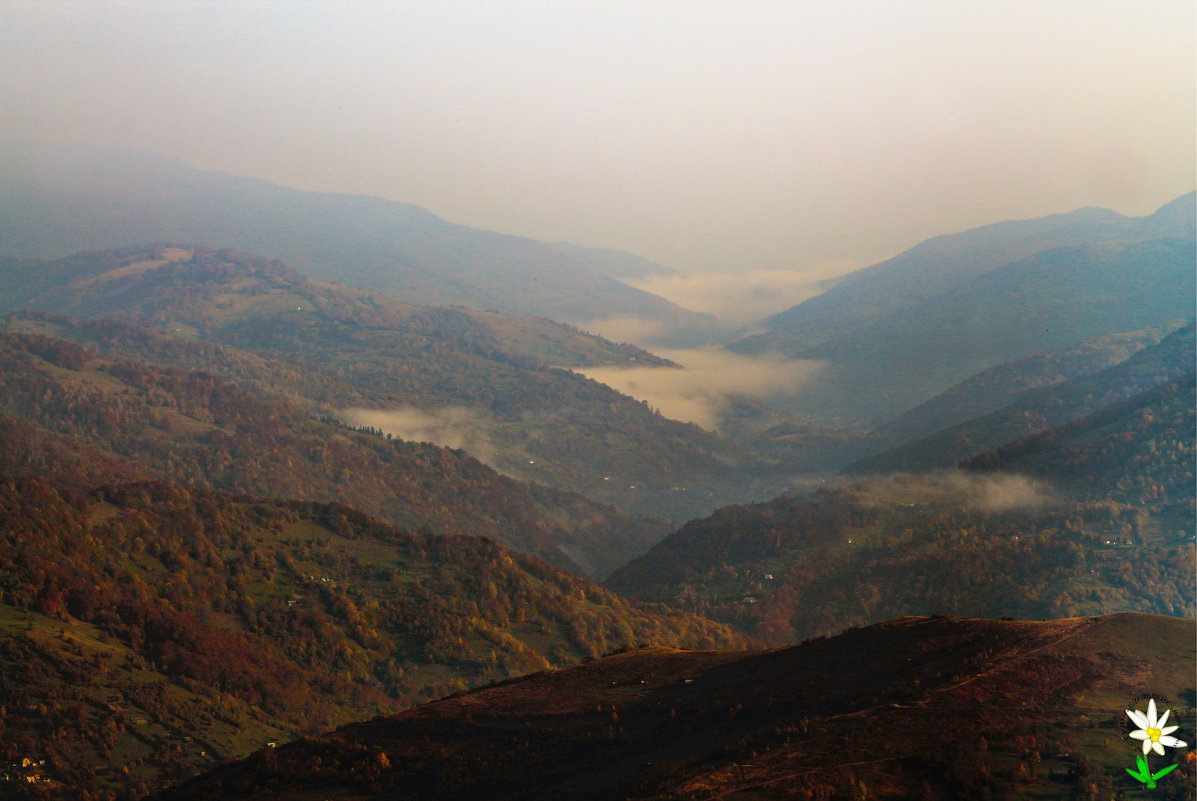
[916,708]
[149,631]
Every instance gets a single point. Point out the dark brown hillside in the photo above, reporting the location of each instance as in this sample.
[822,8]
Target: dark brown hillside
[194,428]
[927,708]
[150,630]
[26,450]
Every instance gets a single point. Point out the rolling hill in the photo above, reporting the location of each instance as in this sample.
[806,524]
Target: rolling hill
[923,708]
[190,427]
[488,382]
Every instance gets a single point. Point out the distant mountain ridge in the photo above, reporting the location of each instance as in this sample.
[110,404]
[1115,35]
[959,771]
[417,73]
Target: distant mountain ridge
[55,201]
[936,265]
[892,336]
[615,263]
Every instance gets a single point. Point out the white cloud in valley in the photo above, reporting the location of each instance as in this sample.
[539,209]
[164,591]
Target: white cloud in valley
[744,298]
[705,383]
[990,492]
[450,427]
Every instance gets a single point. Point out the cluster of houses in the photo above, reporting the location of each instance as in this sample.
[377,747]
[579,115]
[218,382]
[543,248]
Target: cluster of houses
[28,771]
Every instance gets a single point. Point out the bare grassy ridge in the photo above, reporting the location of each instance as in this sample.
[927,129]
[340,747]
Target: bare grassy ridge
[935,708]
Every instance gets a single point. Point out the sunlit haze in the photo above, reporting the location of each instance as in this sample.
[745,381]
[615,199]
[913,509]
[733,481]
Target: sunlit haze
[709,136]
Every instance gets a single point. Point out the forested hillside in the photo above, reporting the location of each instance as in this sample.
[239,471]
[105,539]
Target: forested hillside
[1139,452]
[955,543]
[194,428]
[148,630]
[1093,517]
[533,421]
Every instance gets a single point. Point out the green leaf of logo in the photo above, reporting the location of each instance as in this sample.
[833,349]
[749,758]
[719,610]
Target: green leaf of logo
[1165,771]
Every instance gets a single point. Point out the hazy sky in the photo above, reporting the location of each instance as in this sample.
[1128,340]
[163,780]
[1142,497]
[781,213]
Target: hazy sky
[725,136]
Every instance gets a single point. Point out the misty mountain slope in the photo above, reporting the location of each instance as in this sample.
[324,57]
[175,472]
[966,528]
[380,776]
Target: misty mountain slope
[470,379]
[897,334]
[193,428]
[912,708]
[150,631]
[939,265]
[318,393]
[1053,299]
[1039,409]
[615,263]
[953,542]
[1139,452]
[161,280]
[999,386]
[59,200]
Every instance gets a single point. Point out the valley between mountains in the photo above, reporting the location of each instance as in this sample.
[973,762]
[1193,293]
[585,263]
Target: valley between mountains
[340,515]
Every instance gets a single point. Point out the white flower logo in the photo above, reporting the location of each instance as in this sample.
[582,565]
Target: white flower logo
[1152,731]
